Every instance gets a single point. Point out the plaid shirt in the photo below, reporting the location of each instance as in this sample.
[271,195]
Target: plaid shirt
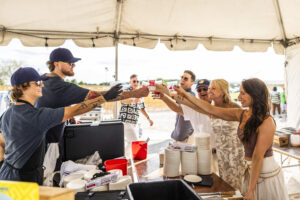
[129,113]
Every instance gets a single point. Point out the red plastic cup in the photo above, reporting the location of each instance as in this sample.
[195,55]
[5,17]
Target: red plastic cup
[116,164]
[139,150]
[151,82]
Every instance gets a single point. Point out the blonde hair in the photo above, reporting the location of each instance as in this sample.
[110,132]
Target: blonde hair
[223,85]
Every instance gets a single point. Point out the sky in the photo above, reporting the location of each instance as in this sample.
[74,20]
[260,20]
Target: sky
[98,64]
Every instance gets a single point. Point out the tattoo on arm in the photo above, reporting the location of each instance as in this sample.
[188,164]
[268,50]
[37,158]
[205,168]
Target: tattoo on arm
[94,94]
[89,105]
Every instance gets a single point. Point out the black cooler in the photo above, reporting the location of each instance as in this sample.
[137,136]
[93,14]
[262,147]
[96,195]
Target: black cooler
[81,140]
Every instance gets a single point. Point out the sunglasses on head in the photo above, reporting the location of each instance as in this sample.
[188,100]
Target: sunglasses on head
[71,64]
[200,89]
[184,78]
[135,81]
[37,83]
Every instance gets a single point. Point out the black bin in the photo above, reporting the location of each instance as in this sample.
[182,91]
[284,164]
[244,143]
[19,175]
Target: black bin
[161,190]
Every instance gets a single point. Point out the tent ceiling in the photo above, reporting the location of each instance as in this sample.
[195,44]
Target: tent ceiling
[253,25]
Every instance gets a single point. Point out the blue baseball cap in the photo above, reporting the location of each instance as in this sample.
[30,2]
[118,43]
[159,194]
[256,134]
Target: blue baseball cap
[26,74]
[202,83]
[64,55]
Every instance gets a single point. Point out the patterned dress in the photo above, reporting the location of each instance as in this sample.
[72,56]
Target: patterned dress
[230,151]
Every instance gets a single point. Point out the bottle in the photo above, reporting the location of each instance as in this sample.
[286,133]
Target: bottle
[140,130]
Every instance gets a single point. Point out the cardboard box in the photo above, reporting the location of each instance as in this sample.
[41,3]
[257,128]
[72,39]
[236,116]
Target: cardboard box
[281,139]
[56,193]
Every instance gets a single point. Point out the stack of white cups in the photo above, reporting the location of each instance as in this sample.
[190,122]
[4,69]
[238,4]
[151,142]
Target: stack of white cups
[204,154]
[171,163]
[188,163]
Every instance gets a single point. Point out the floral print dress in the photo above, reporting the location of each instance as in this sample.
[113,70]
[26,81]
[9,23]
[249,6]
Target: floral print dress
[230,152]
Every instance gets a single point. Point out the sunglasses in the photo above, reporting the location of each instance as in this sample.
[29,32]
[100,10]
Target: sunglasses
[200,89]
[37,83]
[135,81]
[71,64]
[184,78]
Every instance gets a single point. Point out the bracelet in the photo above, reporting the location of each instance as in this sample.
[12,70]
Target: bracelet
[148,117]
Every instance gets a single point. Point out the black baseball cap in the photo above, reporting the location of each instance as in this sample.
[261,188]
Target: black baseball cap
[26,74]
[64,55]
[202,83]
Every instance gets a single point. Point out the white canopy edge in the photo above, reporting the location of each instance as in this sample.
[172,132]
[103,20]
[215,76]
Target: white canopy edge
[82,39]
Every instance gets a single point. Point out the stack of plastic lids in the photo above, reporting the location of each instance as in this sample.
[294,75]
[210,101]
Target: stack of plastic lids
[77,185]
[121,183]
[188,162]
[204,154]
[72,177]
[171,163]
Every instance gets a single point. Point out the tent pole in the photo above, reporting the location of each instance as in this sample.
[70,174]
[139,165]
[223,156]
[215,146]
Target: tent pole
[116,75]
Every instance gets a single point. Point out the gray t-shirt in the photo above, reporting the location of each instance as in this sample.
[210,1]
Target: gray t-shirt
[183,128]
[24,128]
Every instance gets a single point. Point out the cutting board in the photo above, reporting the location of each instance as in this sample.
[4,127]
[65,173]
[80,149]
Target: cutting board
[56,193]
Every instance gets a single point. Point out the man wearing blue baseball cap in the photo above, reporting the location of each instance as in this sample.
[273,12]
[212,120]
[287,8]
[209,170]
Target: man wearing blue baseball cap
[58,93]
[24,127]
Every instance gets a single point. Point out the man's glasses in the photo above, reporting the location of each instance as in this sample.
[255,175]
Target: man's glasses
[184,78]
[135,81]
[38,83]
[71,64]
[202,89]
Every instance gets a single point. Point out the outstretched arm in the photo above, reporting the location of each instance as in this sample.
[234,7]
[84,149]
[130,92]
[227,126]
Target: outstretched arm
[88,105]
[187,102]
[142,92]
[228,114]
[171,104]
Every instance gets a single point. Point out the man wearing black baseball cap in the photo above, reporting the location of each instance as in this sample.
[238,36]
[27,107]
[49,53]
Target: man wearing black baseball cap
[58,93]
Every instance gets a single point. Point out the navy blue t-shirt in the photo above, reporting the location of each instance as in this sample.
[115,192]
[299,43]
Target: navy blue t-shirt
[58,93]
[24,129]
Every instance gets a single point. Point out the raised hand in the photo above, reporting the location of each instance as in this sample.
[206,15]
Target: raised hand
[179,90]
[113,92]
[161,88]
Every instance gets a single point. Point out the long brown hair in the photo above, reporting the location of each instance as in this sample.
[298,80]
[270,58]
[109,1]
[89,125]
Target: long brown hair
[259,93]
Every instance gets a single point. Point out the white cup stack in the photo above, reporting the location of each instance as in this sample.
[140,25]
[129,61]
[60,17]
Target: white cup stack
[171,163]
[188,163]
[204,155]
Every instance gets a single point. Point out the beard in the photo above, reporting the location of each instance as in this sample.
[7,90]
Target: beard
[68,73]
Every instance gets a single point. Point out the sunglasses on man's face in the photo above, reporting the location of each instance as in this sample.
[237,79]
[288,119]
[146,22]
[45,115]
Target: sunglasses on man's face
[135,81]
[184,78]
[71,64]
[202,89]
[37,83]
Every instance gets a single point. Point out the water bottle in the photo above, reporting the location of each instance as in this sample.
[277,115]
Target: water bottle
[140,130]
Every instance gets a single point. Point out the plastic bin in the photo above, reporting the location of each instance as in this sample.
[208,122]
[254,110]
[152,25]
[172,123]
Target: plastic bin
[161,190]
[116,164]
[139,150]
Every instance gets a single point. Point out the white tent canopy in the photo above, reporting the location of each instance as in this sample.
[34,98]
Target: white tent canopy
[253,25]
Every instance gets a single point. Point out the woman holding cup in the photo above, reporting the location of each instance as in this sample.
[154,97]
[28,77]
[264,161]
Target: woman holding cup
[263,178]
